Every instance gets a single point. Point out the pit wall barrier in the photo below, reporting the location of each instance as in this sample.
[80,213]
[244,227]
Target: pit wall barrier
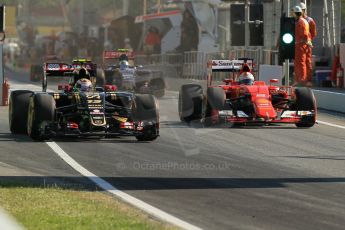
[333,101]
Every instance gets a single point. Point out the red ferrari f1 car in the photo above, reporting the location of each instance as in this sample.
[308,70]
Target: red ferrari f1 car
[240,104]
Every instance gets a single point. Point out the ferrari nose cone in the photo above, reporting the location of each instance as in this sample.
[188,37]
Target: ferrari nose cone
[264,109]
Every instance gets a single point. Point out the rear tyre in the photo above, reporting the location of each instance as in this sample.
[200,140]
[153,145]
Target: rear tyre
[305,101]
[158,87]
[100,77]
[41,112]
[18,111]
[190,102]
[146,111]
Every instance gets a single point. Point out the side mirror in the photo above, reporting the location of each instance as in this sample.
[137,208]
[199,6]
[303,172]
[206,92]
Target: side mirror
[274,81]
[99,89]
[65,87]
[228,81]
[110,88]
[68,88]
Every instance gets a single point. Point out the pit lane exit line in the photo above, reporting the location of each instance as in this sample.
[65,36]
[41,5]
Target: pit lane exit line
[160,214]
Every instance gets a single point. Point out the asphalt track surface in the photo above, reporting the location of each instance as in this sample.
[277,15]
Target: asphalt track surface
[272,177]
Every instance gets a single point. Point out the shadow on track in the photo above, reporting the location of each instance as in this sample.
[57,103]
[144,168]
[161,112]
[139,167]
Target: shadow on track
[6,137]
[335,158]
[160,183]
[123,140]
[199,125]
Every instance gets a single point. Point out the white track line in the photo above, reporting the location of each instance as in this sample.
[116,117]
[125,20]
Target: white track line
[122,195]
[330,124]
[337,93]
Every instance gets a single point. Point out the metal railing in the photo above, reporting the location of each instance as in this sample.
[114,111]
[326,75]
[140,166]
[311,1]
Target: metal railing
[193,64]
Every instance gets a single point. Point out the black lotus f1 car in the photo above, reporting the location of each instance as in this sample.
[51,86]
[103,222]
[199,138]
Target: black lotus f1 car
[97,112]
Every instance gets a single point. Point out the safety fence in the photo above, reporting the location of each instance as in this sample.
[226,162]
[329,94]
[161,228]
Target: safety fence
[193,65]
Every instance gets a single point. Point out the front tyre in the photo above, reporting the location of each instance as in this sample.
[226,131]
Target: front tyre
[146,114]
[215,102]
[41,112]
[305,101]
[190,102]
[18,111]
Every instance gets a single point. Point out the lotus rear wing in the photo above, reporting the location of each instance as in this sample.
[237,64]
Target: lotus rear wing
[55,69]
[59,69]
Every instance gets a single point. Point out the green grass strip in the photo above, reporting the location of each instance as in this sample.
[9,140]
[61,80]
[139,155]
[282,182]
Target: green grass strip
[58,208]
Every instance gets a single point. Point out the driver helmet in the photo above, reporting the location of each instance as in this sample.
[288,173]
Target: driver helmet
[83,73]
[297,9]
[124,65]
[84,85]
[123,57]
[303,6]
[246,77]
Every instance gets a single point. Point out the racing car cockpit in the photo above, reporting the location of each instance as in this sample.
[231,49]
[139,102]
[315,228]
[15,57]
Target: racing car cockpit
[80,74]
[245,77]
[123,65]
[83,85]
[123,57]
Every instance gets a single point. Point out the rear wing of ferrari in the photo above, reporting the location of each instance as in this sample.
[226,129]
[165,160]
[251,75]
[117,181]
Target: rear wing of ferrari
[229,65]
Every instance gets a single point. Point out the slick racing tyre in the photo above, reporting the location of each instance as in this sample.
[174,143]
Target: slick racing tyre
[190,102]
[216,97]
[305,101]
[146,112]
[214,103]
[18,111]
[41,112]
[158,87]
